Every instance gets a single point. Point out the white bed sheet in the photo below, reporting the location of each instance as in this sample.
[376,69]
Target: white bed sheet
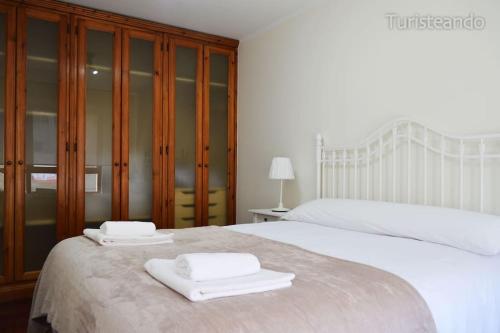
[462,289]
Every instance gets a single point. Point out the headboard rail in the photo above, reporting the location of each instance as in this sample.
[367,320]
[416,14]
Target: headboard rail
[406,161]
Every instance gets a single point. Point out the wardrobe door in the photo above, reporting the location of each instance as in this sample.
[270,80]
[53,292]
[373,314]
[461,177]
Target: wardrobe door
[98,124]
[141,127]
[41,123]
[185,134]
[7,109]
[218,137]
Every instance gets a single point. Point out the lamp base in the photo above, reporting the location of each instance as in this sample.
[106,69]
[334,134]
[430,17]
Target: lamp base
[280,210]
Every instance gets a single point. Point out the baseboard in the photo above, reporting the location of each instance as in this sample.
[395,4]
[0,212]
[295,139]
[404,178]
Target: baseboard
[14,316]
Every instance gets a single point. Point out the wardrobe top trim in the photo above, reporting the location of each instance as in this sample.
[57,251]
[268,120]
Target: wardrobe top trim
[125,20]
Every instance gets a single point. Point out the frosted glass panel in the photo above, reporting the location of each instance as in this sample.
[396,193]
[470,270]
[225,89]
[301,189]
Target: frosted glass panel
[2,134]
[141,129]
[217,179]
[98,127]
[40,141]
[185,136]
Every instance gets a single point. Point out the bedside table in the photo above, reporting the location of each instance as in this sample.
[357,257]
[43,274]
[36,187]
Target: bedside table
[265,215]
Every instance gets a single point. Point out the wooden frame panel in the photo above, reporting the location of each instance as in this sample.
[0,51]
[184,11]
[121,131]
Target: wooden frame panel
[61,223]
[124,124]
[79,146]
[157,149]
[166,199]
[9,147]
[231,133]
[170,136]
[72,127]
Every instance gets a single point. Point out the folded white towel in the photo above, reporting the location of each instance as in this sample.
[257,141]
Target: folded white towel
[128,228]
[265,280]
[214,266]
[99,237]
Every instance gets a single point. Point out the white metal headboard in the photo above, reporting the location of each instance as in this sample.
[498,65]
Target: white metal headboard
[406,161]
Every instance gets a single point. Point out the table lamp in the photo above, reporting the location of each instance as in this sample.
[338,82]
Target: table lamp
[281,168]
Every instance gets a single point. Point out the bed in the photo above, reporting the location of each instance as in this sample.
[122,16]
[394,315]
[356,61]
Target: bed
[460,288]
[347,279]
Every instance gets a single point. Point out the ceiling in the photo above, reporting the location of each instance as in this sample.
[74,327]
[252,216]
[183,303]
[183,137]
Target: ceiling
[229,18]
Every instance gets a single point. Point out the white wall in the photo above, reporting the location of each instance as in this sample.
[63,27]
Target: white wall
[339,70]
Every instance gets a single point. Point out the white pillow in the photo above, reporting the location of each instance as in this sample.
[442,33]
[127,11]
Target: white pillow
[466,230]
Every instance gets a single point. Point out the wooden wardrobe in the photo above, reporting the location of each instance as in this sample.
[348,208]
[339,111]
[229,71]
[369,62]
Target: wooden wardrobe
[106,117]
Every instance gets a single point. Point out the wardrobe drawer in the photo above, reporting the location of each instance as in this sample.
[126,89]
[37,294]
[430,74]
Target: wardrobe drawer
[186,210]
[219,220]
[182,211]
[184,196]
[184,222]
[216,195]
[216,208]
[184,216]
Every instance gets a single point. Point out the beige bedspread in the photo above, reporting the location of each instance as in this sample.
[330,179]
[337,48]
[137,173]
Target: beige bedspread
[84,287]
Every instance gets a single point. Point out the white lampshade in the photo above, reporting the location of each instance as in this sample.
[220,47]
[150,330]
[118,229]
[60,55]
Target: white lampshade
[281,168]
